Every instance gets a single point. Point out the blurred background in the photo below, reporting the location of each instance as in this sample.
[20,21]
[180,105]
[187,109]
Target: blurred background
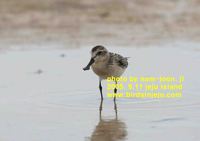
[46,96]
[76,23]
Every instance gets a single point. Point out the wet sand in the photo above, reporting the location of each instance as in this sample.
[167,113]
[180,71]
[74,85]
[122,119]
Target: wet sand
[46,96]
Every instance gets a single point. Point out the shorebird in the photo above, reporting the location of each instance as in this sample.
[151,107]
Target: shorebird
[106,64]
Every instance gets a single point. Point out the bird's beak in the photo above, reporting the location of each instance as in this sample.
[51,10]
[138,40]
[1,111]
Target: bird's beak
[89,64]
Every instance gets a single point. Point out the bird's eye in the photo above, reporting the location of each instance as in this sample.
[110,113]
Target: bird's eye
[99,53]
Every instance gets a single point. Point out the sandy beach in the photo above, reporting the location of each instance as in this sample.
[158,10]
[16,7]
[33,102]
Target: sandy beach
[109,22]
[46,96]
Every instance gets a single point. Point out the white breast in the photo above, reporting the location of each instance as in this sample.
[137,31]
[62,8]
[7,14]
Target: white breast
[104,71]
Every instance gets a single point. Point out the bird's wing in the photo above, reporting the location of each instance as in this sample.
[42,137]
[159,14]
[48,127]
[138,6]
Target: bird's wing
[119,60]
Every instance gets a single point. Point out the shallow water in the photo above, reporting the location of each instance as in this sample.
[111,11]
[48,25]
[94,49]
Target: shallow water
[46,96]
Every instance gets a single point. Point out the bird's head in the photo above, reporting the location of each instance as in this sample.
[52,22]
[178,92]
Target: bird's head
[98,54]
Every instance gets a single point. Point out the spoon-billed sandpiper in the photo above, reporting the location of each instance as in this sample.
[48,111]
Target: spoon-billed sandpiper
[106,64]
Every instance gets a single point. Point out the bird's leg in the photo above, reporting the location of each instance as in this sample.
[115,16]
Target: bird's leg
[100,109]
[115,91]
[100,88]
[115,107]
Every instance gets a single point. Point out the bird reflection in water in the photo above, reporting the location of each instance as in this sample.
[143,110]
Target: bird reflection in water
[109,129]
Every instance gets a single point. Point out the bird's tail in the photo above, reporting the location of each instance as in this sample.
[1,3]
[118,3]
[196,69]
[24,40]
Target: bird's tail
[127,57]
